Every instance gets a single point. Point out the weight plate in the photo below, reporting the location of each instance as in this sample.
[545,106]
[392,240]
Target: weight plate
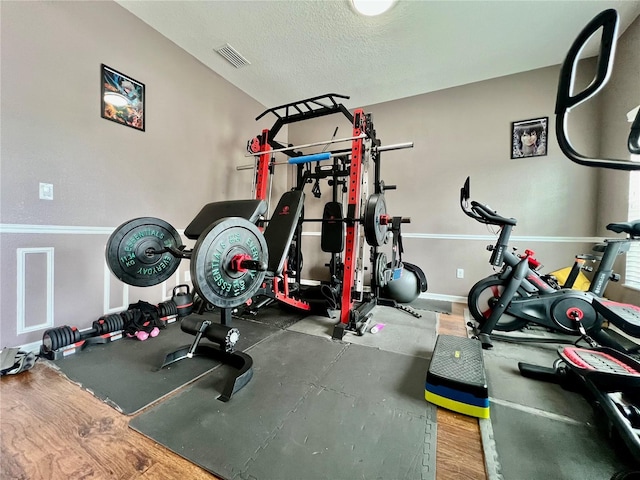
[380,268]
[211,272]
[375,233]
[127,248]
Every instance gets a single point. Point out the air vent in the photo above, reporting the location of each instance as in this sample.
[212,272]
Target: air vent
[233,56]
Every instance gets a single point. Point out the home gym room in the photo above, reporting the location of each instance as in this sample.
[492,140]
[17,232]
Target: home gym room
[349,154]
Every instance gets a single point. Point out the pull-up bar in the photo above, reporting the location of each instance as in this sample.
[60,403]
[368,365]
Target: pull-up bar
[317,157]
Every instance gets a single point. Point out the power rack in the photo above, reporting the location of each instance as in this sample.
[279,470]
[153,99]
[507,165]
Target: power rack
[365,215]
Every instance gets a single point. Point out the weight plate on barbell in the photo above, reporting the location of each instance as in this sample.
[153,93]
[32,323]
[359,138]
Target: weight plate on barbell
[375,230]
[128,254]
[213,277]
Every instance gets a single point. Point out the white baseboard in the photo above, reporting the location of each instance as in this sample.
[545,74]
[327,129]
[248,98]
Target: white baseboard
[31,347]
[444,298]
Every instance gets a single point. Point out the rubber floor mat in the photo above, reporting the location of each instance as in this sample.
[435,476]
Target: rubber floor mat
[275,315]
[315,409]
[126,373]
[539,429]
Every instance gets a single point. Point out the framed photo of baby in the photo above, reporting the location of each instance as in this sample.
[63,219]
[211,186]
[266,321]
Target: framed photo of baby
[529,137]
[122,98]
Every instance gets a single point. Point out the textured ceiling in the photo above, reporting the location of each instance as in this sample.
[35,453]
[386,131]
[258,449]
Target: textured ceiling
[300,49]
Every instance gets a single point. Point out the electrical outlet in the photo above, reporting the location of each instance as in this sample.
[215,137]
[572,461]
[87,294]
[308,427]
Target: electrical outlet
[460,273]
[46,191]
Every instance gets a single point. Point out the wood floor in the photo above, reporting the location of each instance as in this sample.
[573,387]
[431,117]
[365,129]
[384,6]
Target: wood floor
[52,429]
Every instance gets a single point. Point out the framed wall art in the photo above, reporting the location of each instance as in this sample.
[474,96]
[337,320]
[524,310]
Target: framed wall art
[122,98]
[529,137]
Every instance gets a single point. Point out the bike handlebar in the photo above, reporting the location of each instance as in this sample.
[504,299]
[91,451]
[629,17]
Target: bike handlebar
[491,215]
[483,214]
[565,100]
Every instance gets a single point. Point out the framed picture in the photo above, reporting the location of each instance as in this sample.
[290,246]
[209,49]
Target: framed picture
[122,98]
[529,137]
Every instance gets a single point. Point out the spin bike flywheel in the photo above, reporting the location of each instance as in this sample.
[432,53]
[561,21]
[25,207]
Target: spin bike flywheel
[482,299]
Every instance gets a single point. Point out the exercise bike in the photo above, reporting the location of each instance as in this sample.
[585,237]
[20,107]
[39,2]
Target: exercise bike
[518,294]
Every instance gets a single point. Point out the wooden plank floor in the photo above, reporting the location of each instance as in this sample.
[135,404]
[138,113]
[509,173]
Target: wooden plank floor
[459,453]
[52,429]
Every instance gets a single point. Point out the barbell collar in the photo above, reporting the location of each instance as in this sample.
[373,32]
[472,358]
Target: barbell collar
[243,263]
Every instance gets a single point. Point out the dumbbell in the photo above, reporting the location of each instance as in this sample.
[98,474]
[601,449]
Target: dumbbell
[56,338]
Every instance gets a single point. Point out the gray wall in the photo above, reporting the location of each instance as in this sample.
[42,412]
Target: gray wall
[621,95]
[465,131]
[103,173]
[52,257]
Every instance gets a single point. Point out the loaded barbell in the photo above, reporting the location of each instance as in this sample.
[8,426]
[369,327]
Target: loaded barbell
[375,220]
[228,261]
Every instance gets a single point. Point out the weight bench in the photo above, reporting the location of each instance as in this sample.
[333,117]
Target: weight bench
[222,335]
[278,236]
[228,263]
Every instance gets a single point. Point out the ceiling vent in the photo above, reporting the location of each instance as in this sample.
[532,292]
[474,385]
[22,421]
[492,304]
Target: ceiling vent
[233,56]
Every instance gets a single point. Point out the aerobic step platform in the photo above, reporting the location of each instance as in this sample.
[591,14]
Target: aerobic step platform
[456,378]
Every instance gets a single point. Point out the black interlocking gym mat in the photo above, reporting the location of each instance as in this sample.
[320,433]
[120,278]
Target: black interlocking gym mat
[276,315]
[535,446]
[315,409]
[402,333]
[539,429]
[125,373]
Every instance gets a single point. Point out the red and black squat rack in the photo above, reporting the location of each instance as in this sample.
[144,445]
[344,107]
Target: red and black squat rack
[354,304]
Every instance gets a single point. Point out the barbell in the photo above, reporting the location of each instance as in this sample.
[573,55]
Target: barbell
[228,262]
[318,157]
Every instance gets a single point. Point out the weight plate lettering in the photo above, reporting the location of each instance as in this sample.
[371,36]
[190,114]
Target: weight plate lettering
[211,272]
[375,232]
[128,249]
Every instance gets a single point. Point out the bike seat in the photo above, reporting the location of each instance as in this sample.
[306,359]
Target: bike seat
[632,228]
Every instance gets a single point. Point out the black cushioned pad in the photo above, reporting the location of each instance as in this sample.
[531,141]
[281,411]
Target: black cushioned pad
[332,231]
[281,228]
[212,212]
[126,375]
[315,409]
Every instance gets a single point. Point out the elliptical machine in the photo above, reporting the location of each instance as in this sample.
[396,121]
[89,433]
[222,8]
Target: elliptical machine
[609,379]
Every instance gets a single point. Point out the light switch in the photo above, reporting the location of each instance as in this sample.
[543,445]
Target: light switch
[46,191]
